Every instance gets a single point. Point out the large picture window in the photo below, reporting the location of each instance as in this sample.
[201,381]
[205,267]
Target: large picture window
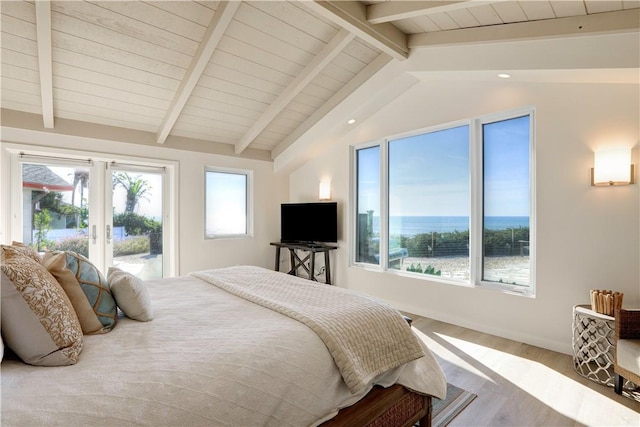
[429,203]
[227,203]
[453,203]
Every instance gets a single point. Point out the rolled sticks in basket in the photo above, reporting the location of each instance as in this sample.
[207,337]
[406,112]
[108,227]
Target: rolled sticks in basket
[605,302]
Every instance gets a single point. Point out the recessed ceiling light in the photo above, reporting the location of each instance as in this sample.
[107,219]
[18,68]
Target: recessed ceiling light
[504,75]
[351,121]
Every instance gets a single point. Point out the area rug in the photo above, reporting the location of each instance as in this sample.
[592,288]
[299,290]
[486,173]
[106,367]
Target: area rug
[446,410]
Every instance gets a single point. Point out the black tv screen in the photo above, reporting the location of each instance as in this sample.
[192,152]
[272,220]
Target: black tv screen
[309,222]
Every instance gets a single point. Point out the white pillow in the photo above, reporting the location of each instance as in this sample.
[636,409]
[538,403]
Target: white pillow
[131,294]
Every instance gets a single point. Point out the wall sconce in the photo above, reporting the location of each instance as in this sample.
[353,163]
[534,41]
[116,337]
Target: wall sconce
[612,167]
[324,193]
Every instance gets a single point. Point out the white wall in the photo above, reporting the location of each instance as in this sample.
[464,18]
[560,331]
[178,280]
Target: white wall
[586,237]
[195,252]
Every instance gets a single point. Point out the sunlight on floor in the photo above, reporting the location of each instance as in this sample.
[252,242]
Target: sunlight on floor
[531,375]
[450,356]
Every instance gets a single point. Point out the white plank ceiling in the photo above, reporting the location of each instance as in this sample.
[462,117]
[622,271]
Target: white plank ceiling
[251,74]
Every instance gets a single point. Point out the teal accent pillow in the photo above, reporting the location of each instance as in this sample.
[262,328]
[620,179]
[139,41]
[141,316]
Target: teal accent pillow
[95,287]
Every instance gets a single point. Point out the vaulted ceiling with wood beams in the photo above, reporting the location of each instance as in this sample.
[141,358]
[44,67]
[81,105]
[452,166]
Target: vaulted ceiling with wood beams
[252,75]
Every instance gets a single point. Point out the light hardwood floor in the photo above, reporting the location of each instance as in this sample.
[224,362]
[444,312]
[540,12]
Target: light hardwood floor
[519,384]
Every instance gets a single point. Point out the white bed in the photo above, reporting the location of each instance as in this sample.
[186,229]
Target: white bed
[207,358]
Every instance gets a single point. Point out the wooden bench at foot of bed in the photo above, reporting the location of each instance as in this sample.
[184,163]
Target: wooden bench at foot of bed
[394,406]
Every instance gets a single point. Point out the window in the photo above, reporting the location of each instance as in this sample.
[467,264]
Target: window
[429,202]
[227,203]
[506,201]
[368,196]
[452,203]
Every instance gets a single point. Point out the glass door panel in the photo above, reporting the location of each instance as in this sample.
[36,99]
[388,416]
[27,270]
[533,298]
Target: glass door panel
[135,233]
[55,211]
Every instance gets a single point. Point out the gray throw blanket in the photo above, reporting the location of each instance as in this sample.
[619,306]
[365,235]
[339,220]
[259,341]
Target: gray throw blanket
[365,337]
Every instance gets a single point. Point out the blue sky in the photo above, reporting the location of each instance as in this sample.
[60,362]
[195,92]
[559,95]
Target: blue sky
[226,203]
[429,173]
[506,167]
[369,180]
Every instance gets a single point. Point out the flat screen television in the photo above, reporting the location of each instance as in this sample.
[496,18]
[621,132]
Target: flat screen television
[309,222]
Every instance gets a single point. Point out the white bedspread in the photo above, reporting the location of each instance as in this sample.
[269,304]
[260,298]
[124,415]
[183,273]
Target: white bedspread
[208,358]
[365,337]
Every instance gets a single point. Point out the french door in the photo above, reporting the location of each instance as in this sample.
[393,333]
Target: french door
[113,213]
[134,228]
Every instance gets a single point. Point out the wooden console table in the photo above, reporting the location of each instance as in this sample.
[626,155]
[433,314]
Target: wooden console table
[308,262]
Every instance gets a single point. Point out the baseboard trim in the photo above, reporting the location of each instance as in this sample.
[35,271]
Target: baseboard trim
[560,347]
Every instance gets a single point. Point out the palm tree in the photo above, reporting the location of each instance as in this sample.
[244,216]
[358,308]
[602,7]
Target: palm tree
[136,187]
[80,176]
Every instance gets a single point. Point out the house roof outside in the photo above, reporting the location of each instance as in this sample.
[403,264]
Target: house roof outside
[40,177]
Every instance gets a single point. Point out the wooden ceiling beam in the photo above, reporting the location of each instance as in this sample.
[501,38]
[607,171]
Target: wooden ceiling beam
[623,21]
[43,34]
[388,11]
[352,16]
[212,36]
[321,60]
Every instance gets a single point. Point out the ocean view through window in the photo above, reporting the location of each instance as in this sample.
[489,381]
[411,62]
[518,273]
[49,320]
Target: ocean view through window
[451,204]
[505,192]
[413,225]
[429,179]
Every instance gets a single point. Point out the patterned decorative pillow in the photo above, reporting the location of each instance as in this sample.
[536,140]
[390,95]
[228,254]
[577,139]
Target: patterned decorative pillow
[56,264]
[96,288]
[38,321]
[131,294]
[24,250]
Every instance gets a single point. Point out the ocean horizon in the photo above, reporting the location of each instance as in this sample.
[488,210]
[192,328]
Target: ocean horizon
[413,225]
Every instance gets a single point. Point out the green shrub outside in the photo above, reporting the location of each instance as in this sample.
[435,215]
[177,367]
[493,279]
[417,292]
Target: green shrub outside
[131,246]
[136,225]
[80,244]
[427,270]
[505,242]
[42,223]
[496,242]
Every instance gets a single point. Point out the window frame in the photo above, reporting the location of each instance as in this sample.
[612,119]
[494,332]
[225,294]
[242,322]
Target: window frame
[479,208]
[476,252]
[353,194]
[248,174]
